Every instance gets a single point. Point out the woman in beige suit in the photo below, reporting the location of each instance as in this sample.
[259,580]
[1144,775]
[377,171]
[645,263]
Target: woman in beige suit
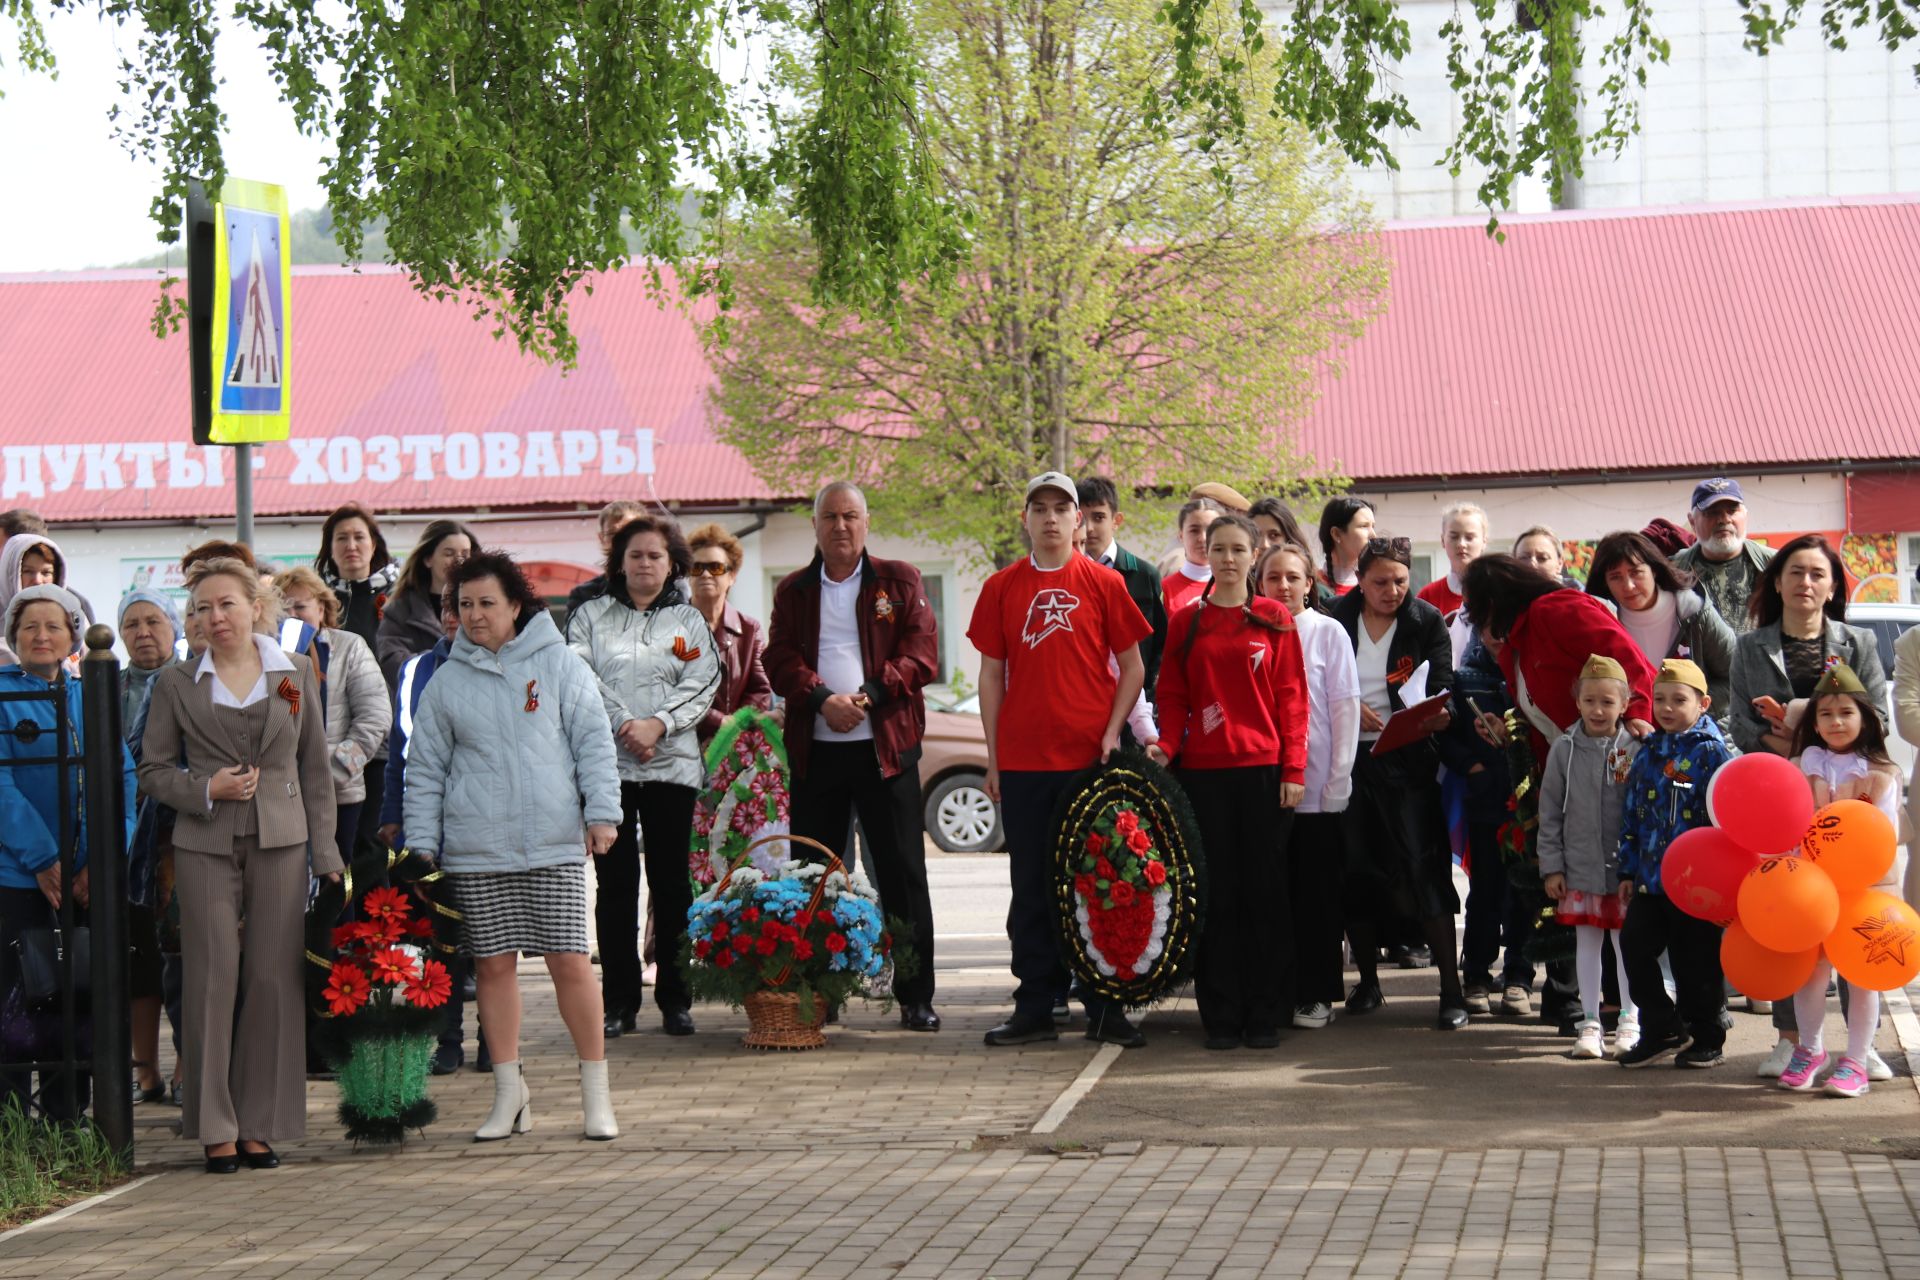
[254,797]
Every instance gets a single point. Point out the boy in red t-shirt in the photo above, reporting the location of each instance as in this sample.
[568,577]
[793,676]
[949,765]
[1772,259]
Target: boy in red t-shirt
[1044,628]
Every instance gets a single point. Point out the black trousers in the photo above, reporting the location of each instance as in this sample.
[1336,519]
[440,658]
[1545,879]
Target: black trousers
[660,815]
[1244,981]
[1654,925]
[1316,850]
[1027,801]
[843,779]
[1496,916]
[366,825]
[22,909]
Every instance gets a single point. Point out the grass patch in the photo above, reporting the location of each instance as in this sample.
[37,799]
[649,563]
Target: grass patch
[44,1166]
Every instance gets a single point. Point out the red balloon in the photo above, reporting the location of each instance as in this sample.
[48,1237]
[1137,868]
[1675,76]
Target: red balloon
[1761,801]
[1702,871]
[1765,975]
[1788,904]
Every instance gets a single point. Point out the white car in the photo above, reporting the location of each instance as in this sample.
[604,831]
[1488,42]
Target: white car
[1888,622]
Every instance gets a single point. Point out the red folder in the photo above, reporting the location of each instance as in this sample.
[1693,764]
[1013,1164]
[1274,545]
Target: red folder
[1403,726]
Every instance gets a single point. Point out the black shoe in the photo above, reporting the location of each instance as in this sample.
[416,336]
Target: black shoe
[154,1094]
[1452,1017]
[1262,1039]
[447,1059]
[261,1159]
[1700,1059]
[1394,955]
[676,1022]
[1222,1042]
[611,1028]
[1110,1026]
[1023,1028]
[1652,1049]
[1416,958]
[1365,998]
[229,1163]
[483,1061]
[1062,1014]
[919,1017]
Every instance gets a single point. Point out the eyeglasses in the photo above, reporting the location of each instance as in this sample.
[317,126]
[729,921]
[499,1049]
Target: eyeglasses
[710,568]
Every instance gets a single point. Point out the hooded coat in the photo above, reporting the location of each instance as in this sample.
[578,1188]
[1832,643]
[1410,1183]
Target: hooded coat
[11,555]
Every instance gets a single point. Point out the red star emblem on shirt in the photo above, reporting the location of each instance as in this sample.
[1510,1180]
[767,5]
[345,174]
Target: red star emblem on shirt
[1050,611]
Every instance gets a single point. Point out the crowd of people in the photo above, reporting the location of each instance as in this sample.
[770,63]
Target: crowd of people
[286,719]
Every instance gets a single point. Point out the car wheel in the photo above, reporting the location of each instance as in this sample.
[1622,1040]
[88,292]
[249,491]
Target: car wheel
[960,816]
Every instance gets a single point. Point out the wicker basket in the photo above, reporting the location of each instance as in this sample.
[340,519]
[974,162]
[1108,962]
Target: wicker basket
[773,1017]
[773,1022]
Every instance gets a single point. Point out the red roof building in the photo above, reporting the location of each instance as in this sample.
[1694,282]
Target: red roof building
[1587,346]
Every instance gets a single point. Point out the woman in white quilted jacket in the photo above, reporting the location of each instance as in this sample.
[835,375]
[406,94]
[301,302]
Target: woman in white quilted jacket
[658,672]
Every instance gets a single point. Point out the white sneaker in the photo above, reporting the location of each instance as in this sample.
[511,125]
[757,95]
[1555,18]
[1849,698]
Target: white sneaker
[1588,1044]
[1315,1015]
[1626,1035]
[1877,1068]
[1777,1060]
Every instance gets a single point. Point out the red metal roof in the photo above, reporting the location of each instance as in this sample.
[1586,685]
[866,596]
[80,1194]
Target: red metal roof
[1730,337]
[1701,338]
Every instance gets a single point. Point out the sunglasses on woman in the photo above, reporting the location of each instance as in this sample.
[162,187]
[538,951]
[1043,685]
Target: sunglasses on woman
[709,568]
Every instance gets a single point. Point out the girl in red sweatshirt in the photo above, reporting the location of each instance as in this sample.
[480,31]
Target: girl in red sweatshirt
[1232,699]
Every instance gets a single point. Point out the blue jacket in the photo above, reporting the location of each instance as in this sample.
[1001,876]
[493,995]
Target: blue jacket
[1460,745]
[30,794]
[414,674]
[1666,795]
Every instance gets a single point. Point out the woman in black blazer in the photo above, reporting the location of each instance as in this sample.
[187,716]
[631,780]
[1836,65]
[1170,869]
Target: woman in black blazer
[1398,864]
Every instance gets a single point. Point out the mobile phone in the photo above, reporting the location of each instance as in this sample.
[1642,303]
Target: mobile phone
[1769,707]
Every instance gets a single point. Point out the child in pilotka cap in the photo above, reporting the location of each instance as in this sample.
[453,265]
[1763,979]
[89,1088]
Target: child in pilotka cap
[1666,795]
[1582,791]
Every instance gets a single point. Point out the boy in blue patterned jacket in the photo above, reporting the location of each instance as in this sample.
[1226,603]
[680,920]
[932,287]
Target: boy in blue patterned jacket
[1666,795]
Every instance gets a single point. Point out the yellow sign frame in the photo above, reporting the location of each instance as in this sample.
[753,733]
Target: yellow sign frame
[245,409]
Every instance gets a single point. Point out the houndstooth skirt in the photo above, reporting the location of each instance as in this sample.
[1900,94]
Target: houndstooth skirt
[538,912]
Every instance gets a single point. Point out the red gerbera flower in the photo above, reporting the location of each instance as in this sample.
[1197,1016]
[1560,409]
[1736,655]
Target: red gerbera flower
[392,966]
[431,988]
[346,935]
[385,901]
[347,988]
[836,942]
[420,927]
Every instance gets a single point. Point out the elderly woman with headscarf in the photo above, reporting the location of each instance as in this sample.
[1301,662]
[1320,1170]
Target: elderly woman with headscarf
[149,628]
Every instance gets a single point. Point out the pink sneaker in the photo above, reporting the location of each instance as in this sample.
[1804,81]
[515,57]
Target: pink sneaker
[1849,1079]
[1802,1068]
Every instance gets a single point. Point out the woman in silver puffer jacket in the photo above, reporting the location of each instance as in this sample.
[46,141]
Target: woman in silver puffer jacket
[658,672]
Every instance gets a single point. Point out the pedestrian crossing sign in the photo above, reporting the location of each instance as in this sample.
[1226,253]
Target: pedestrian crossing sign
[252,341]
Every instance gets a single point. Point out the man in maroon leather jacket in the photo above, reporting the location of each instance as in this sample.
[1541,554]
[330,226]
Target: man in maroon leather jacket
[852,643]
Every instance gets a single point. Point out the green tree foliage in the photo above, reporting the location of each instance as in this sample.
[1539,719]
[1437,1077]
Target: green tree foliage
[1135,299]
[514,147]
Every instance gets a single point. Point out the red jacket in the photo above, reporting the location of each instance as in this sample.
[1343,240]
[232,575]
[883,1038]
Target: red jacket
[743,678]
[899,653]
[1552,640]
[1237,697]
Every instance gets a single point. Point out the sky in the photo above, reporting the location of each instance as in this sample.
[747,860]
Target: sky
[92,199]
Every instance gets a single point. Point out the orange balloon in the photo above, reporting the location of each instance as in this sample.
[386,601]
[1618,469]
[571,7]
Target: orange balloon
[1877,944]
[1765,975]
[1853,842]
[1788,904]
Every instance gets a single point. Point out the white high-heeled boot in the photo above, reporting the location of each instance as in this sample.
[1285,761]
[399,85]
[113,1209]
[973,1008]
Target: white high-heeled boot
[596,1101]
[512,1105]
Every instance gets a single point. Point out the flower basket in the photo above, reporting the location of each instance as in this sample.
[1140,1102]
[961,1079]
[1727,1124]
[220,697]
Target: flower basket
[788,943]
[378,991]
[1129,880]
[774,1022]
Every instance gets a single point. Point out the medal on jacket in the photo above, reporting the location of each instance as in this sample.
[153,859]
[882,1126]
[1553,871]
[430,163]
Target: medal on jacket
[682,652]
[291,692]
[882,607]
[533,696]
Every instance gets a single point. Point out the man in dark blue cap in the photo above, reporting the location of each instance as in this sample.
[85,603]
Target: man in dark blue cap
[1724,562]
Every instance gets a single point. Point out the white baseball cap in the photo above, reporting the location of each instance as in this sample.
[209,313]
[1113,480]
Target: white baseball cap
[1053,480]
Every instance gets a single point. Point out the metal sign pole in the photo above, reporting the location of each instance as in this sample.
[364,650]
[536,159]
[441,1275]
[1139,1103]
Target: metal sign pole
[243,493]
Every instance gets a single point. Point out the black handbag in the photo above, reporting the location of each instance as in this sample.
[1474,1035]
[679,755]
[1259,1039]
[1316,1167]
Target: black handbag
[38,956]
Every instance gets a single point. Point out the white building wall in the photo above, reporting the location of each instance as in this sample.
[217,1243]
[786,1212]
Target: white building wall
[1718,122]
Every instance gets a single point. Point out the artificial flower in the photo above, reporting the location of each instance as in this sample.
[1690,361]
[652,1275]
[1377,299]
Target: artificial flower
[1122,893]
[750,915]
[1155,873]
[392,965]
[1127,822]
[383,902]
[802,950]
[346,935]
[836,942]
[1096,844]
[347,988]
[803,919]
[720,931]
[702,949]
[1139,841]
[420,927]
[724,960]
[767,946]
[1103,869]
[742,943]
[431,988]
